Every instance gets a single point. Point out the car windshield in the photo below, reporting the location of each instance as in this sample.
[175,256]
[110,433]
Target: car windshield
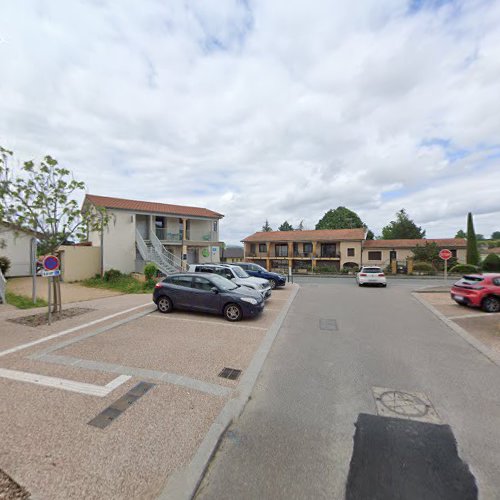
[240,272]
[372,270]
[222,283]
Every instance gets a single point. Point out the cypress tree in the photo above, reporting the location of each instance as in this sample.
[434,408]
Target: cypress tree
[472,251]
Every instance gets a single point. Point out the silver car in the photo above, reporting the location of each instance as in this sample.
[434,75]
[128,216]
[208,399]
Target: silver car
[236,275]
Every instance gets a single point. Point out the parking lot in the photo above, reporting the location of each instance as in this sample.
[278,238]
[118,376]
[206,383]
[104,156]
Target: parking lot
[110,404]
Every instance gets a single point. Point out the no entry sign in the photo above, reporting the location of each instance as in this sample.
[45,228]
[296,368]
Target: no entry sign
[445,254]
[51,263]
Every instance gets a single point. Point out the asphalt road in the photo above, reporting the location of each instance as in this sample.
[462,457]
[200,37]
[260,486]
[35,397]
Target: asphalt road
[314,400]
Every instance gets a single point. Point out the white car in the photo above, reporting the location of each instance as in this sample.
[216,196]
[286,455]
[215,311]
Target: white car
[236,275]
[371,275]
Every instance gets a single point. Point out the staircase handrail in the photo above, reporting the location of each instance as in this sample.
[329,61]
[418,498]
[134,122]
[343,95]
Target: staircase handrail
[163,253]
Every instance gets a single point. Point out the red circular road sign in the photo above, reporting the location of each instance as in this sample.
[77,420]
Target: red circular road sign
[445,254]
[51,263]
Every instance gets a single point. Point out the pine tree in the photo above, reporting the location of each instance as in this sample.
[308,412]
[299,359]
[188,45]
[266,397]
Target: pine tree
[472,251]
[266,227]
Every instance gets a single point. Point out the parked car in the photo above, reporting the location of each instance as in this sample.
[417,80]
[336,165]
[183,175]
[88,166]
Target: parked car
[236,275]
[371,275]
[207,292]
[478,290]
[257,271]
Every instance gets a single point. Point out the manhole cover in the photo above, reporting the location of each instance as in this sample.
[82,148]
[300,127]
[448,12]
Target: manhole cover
[403,404]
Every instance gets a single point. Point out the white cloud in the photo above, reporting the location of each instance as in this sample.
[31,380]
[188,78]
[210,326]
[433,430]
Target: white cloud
[264,110]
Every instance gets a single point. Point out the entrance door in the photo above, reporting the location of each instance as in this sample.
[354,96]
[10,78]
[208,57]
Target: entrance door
[142,225]
[392,255]
[193,255]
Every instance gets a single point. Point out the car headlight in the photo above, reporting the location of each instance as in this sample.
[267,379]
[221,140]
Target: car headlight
[249,300]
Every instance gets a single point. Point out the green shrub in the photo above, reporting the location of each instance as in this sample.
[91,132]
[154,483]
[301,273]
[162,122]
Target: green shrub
[327,269]
[491,263]
[150,271]
[112,275]
[464,269]
[4,265]
[423,267]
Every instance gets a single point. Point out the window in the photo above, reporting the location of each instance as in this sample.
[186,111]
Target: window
[281,250]
[350,252]
[262,247]
[252,247]
[184,281]
[328,250]
[374,255]
[308,247]
[454,254]
[215,226]
[202,284]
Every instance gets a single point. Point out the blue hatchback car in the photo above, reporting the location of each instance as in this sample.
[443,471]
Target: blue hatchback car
[274,279]
[206,292]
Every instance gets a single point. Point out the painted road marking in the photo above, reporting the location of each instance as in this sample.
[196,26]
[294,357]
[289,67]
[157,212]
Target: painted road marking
[219,323]
[70,330]
[65,384]
[165,377]
[476,315]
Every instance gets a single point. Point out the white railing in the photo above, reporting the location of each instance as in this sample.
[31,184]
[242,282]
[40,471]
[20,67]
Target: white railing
[3,286]
[169,258]
[166,261]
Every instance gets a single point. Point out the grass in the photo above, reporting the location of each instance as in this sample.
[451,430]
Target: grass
[22,302]
[123,283]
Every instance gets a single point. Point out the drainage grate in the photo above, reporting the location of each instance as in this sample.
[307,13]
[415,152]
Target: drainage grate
[407,405]
[230,373]
[113,411]
[328,324]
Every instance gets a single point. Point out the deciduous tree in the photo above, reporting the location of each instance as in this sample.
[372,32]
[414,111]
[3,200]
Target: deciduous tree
[402,228]
[340,218]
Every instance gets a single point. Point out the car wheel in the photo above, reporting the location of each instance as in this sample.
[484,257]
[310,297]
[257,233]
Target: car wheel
[491,304]
[384,284]
[272,283]
[232,312]
[164,305]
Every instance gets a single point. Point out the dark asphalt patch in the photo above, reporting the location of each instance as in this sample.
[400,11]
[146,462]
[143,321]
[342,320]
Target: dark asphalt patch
[406,460]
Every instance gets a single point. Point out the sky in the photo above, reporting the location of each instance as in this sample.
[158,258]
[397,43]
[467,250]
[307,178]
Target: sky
[264,109]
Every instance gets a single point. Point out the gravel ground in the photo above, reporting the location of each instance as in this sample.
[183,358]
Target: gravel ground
[42,318]
[10,490]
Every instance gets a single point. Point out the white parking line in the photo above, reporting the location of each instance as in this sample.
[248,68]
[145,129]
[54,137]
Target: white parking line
[475,315]
[219,323]
[65,384]
[70,330]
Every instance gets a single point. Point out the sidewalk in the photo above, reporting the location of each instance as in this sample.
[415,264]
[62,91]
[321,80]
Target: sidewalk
[70,292]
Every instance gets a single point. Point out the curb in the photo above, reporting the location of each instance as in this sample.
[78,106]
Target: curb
[492,355]
[184,483]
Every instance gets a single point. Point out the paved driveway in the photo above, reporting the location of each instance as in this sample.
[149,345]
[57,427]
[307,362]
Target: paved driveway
[110,404]
[365,387]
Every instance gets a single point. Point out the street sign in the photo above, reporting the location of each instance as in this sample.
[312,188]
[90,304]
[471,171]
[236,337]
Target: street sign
[445,254]
[51,263]
[55,272]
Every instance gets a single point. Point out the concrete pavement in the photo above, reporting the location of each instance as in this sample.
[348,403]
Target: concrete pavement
[295,437]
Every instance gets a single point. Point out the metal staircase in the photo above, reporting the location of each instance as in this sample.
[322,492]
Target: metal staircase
[153,251]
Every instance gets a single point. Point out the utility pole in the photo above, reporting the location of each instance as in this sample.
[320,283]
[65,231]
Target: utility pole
[102,245]
[34,245]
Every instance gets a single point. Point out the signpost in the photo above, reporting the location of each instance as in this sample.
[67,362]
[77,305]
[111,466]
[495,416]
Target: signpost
[51,269]
[445,254]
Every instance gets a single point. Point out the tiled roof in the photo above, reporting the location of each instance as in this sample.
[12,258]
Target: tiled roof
[308,235]
[233,252]
[148,206]
[493,250]
[440,242]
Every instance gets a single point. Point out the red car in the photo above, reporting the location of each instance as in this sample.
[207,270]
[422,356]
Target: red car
[478,290]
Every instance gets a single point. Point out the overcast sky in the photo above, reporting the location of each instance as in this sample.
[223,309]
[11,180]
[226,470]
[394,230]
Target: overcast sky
[277,109]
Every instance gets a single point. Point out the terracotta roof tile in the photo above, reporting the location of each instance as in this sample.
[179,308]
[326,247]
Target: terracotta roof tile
[148,206]
[308,235]
[441,242]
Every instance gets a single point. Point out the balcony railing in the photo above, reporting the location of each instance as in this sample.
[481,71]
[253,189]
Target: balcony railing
[163,235]
[329,255]
[304,255]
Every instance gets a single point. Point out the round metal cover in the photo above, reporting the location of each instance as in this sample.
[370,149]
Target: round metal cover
[403,403]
